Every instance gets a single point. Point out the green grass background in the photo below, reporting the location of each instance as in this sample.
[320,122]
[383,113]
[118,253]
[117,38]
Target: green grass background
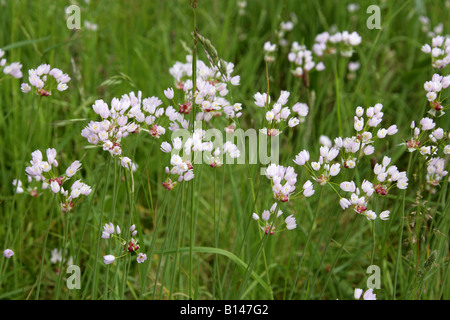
[136,44]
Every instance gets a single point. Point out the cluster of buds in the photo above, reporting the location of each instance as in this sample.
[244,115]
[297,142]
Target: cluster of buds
[129,247]
[278,114]
[44,79]
[41,170]
[268,217]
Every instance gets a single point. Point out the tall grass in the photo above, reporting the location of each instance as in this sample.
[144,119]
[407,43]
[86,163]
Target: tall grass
[200,238]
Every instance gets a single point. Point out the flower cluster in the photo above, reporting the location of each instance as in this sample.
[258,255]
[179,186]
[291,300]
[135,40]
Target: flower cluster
[129,247]
[426,27]
[210,92]
[285,27]
[283,180]
[194,146]
[41,170]
[268,217]
[303,60]
[44,79]
[434,89]
[14,69]
[342,42]
[359,201]
[127,115]
[57,256]
[350,148]
[439,51]
[324,168]
[362,143]
[278,114]
[387,176]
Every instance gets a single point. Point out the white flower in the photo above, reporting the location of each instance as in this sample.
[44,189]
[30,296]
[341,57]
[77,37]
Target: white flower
[25,87]
[348,186]
[55,187]
[73,168]
[302,158]
[334,169]
[301,108]
[344,203]
[384,215]
[370,215]
[358,293]
[369,295]
[169,93]
[293,122]
[290,222]
[268,47]
[325,141]
[402,183]
[8,253]
[166,147]
[108,259]
[141,257]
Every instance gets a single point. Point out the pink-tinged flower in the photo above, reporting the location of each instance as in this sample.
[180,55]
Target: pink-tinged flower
[302,158]
[344,203]
[73,168]
[392,130]
[55,187]
[109,228]
[348,186]
[358,293]
[166,147]
[370,215]
[141,257]
[290,222]
[369,295]
[108,259]
[8,253]
[384,215]
[169,93]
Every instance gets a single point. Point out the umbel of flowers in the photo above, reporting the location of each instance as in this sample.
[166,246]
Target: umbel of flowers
[267,222]
[14,69]
[44,79]
[182,168]
[130,246]
[41,170]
